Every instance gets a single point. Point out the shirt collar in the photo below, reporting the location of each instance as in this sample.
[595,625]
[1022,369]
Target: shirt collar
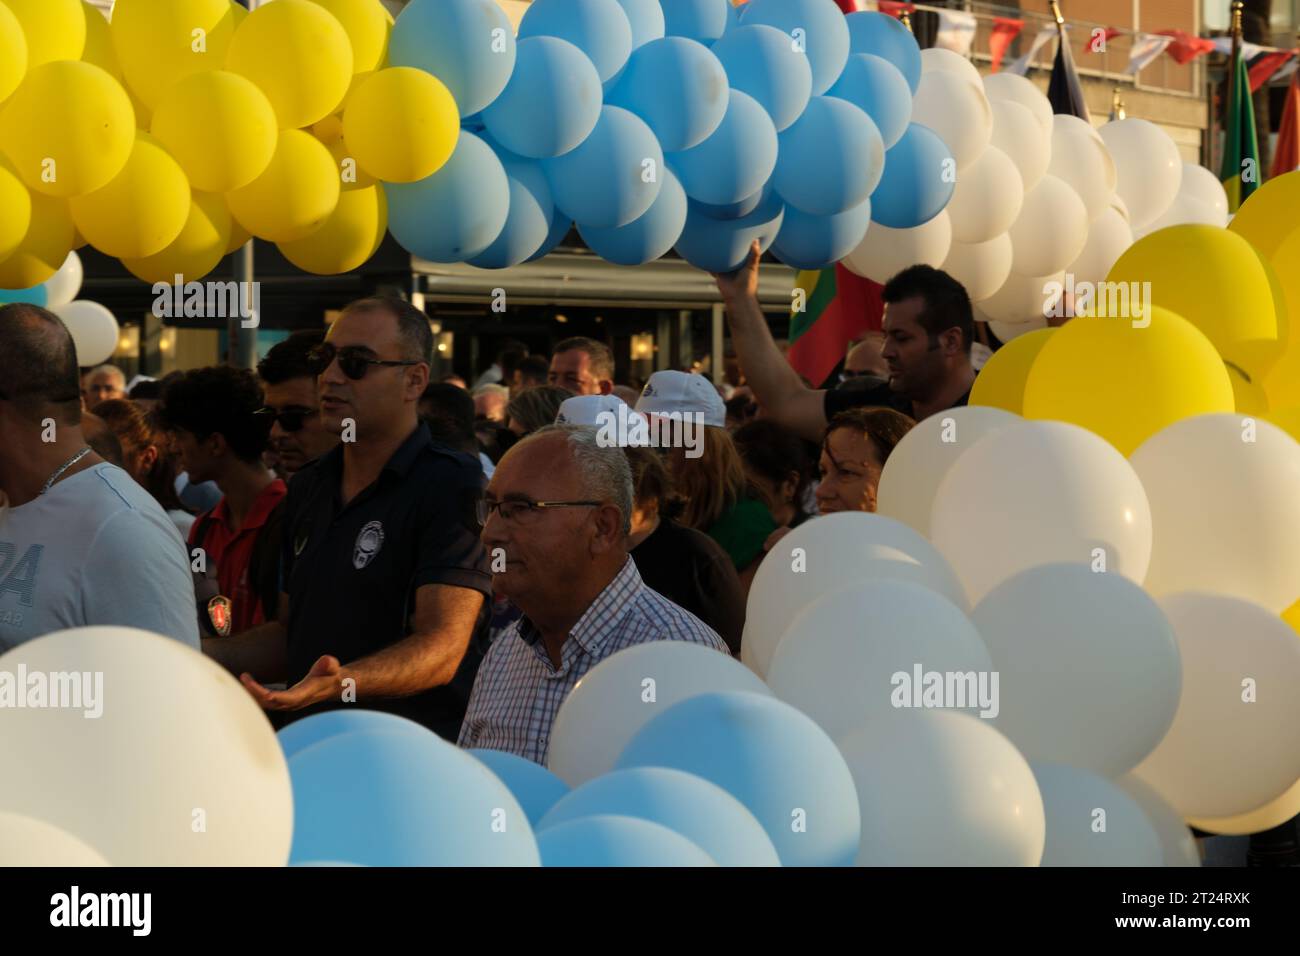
[399,464]
[602,616]
[263,505]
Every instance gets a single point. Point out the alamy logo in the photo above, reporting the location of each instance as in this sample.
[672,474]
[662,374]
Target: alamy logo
[951,690]
[208,300]
[74,909]
[627,428]
[56,690]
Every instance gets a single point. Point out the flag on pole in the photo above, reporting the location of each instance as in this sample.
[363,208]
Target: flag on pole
[1064,91]
[1286,155]
[1240,169]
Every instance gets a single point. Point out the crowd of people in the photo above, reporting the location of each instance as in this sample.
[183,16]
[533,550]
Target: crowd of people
[335,528]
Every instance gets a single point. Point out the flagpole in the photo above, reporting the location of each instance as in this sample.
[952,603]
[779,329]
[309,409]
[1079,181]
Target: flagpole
[1230,97]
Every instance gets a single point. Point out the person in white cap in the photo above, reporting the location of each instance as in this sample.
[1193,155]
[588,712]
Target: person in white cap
[671,393]
[587,409]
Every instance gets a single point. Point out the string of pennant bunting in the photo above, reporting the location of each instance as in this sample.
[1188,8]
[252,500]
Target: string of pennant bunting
[956,32]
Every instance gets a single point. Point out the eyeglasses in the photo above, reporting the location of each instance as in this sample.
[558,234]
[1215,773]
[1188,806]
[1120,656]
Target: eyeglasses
[353,360]
[290,419]
[516,509]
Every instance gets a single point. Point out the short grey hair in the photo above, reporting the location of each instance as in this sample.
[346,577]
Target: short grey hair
[110,369]
[606,474]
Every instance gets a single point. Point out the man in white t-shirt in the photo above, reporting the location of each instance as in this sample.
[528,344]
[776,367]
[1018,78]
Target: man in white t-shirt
[81,543]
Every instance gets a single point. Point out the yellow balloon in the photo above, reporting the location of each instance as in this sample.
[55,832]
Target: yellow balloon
[1288,419]
[239,236]
[368,25]
[99,42]
[300,57]
[1001,382]
[1271,214]
[159,42]
[55,29]
[329,130]
[196,251]
[13,52]
[1215,280]
[1282,382]
[402,124]
[296,194]
[220,127]
[142,211]
[68,129]
[1125,383]
[1249,398]
[15,209]
[348,238]
[44,248]
[351,175]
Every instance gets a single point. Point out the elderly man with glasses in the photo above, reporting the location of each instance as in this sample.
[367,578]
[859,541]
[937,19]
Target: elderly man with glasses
[556,518]
[383,575]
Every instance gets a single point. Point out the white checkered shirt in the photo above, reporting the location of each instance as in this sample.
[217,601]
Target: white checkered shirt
[518,692]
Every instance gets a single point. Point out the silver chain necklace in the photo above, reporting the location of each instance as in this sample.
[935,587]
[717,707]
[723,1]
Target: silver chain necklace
[64,467]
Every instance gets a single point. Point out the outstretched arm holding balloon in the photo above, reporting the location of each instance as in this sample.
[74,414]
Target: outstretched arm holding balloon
[777,386]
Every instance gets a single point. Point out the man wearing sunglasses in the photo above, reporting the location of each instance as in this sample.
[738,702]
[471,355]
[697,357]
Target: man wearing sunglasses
[383,575]
[298,434]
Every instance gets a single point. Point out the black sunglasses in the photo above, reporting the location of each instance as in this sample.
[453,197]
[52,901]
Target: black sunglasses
[353,360]
[291,419]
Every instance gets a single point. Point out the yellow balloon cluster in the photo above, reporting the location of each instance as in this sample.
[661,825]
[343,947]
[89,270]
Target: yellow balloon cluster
[174,133]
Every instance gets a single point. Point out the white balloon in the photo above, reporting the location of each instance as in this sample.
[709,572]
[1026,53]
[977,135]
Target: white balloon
[942,789]
[176,733]
[982,267]
[839,661]
[1118,205]
[938,59]
[957,109]
[1018,134]
[1040,492]
[828,553]
[1017,89]
[1108,237]
[1185,210]
[884,252]
[62,287]
[1201,184]
[1024,298]
[1231,524]
[1050,231]
[1006,331]
[1148,167]
[1088,665]
[26,841]
[1080,160]
[1072,798]
[1177,845]
[1270,815]
[93,328]
[918,463]
[1231,748]
[987,199]
[605,709]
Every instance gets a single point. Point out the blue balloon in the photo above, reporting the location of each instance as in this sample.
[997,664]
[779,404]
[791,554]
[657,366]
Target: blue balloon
[617,841]
[560,226]
[761,61]
[457,212]
[678,87]
[535,787]
[915,186]
[301,734]
[733,18]
[36,295]
[702,20]
[770,757]
[646,18]
[703,812]
[551,103]
[735,210]
[457,41]
[824,34]
[599,28]
[735,161]
[399,799]
[831,159]
[815,242]
[884,36]
[648,237]
[473,123]
[605,182]
[722,245]
[528,221]
[876,87]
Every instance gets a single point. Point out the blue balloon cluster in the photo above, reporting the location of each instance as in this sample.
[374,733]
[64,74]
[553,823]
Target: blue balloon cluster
[655,125]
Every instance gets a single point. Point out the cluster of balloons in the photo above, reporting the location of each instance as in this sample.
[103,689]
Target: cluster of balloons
[93,327]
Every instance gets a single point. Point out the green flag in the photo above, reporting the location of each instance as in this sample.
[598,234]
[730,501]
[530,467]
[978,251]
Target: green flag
[1240,170]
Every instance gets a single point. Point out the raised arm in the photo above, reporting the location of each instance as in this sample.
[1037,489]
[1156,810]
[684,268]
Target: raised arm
[777,387]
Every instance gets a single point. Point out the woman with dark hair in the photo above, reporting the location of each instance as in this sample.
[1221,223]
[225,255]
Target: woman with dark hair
[779,465]
[858,442]
[684,565]
[146,455]
[534,408]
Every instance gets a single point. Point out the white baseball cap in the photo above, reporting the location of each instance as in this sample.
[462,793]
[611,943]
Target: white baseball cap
[671,392]
[586,409]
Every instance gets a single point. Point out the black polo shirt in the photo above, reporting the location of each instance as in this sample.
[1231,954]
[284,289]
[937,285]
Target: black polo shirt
[351,572]
[838,400]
